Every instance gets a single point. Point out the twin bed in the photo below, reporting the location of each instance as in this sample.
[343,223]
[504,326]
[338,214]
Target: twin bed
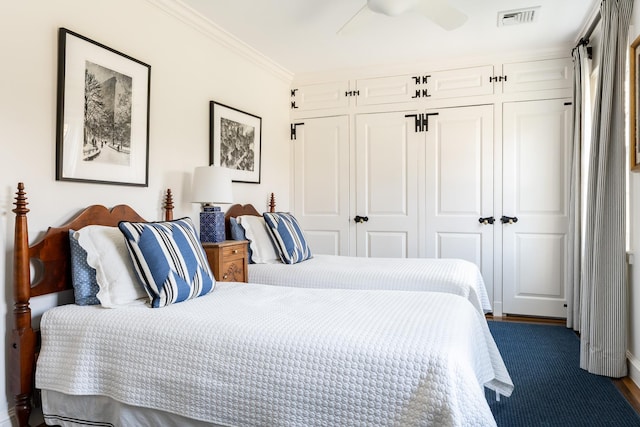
[247,354]
[455,276]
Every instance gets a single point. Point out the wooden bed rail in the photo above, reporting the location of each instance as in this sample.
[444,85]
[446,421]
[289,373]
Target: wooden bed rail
[52,251]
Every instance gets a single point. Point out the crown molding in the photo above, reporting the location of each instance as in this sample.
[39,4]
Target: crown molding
[199,22]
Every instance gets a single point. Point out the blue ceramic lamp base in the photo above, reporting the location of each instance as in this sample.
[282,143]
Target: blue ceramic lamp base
[212,225]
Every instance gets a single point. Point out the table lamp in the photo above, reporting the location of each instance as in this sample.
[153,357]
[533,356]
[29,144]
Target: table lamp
[211,184]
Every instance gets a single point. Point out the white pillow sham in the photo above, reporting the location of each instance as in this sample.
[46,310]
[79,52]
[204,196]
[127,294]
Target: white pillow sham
[262,249]
[108,254]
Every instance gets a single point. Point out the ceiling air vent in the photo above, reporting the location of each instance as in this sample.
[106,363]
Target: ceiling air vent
[519,16]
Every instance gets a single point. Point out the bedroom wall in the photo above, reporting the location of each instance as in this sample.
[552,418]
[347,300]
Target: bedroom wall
[190,65]
[634,243]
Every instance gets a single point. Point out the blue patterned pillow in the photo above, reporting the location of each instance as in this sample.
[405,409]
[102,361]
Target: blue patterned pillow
[169,260]
[238,233]
[287,237]
[83,276]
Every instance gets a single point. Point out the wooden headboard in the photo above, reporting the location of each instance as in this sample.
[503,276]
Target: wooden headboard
[53,253]
[238,210]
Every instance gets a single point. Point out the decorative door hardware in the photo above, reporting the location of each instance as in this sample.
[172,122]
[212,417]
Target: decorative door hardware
[421,121]
[487,220]
[293,102]
[508,219]
[421,79]
[352,93]
[421,93]
[496,79]
[293,130]
[360,219]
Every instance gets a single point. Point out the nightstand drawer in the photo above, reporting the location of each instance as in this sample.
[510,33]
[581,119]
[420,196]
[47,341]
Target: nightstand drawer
[234,252]
[228,260]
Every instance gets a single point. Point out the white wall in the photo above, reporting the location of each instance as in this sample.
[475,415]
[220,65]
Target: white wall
[634,222]
[189,67]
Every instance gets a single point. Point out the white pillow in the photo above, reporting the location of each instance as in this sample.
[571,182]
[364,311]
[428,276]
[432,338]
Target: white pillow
[108,254]
[262,249]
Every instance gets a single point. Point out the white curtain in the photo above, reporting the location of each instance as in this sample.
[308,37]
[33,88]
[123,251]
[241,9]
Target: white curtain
[581,139]
[603,296]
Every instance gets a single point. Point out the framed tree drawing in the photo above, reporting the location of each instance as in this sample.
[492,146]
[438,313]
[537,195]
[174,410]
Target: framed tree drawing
[102,130]
[235,142]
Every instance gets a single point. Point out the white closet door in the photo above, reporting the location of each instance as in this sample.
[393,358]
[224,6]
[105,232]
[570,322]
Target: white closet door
[536,181]
[459,186]
[388,156]
[321,183]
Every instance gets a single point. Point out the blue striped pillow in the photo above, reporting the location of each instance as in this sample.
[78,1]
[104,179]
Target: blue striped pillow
[169,260]
[287,237]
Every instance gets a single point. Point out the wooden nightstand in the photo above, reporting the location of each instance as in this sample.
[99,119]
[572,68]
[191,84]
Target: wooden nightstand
[228,260]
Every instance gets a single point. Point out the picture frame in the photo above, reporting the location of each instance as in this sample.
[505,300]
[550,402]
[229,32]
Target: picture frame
[235,142]
[634,107]
[102,123]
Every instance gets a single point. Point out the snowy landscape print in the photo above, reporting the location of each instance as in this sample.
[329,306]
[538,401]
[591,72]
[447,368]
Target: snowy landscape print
[107,116]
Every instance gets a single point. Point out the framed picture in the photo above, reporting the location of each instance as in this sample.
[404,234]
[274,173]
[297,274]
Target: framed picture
[102,130]
[235,142]
[634,107]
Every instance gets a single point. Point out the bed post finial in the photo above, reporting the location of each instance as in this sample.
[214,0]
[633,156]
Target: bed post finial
[272,203]
[168,206]
[23,339]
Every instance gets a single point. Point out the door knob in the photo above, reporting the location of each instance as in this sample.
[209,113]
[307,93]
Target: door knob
[487,220]
[361,219]
[509,219]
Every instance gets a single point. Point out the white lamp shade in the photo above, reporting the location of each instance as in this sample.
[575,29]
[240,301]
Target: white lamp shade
[211,184]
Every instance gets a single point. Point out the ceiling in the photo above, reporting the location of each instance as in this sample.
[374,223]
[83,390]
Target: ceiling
[302,35]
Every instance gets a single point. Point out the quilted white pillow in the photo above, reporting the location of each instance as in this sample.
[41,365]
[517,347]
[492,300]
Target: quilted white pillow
[262,249]
[107,252]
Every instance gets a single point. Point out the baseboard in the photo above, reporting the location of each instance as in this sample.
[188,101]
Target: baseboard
[634,368]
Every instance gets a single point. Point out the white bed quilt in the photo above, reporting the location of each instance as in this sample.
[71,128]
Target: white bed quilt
[252,355]
[455,276]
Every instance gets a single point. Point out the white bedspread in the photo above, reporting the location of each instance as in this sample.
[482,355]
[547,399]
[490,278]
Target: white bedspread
[453,276]
[252,355]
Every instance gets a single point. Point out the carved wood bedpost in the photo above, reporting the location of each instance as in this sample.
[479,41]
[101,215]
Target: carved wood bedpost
[272,203]
[23,343]
[168,206]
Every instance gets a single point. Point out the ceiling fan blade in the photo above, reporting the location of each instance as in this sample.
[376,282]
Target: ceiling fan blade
[440,12]
[350,26]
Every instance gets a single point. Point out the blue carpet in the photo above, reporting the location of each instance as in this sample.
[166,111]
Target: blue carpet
[550,388]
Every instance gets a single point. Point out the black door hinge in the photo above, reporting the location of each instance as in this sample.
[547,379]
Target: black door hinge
[293,130]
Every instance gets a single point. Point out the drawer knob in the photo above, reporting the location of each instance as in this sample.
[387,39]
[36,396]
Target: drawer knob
[235,251]
[225,277]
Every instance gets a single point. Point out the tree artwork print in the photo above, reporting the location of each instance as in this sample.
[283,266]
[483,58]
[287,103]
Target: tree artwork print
[107,116]
[237,149]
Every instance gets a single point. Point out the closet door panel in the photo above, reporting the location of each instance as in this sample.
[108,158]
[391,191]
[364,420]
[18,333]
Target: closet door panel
[321,183]
[387,158]
[536,182]
[459,186]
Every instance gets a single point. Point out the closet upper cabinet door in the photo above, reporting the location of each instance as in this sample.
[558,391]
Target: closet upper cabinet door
[462,82]
[320,96]
[538,75]
[384,90]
